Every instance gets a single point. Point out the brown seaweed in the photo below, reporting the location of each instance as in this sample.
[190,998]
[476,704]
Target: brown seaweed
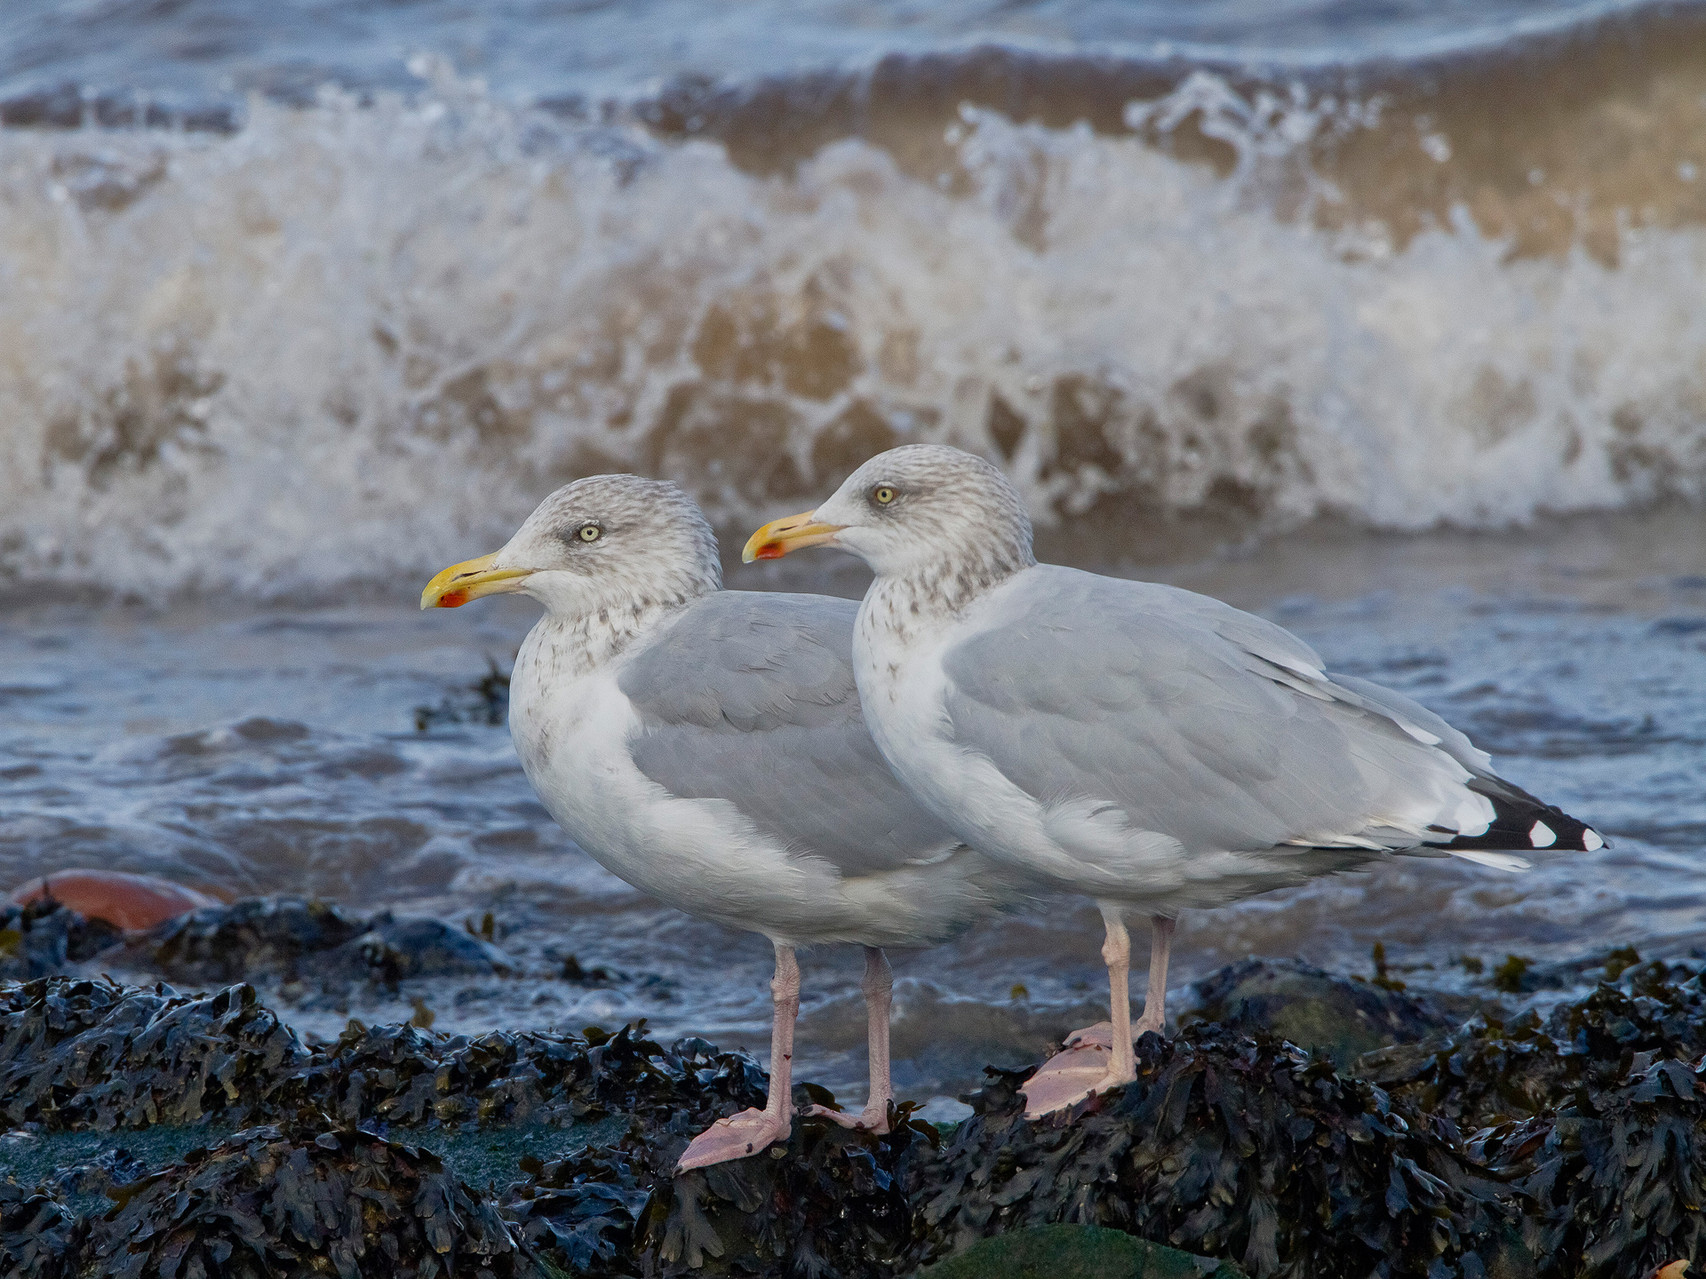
[1570,1146]
[267,1201]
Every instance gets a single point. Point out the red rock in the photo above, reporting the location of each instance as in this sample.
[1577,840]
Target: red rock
[122,900]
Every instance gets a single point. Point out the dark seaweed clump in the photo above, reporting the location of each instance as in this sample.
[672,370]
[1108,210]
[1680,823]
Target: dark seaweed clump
[1245,1148]
[1494,1070]
[485,701]
[832,1202]
[265,1202]
[90,1054]
[1566,1147]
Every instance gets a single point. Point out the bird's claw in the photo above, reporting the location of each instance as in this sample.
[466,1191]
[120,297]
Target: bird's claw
[733,1138]
[867,1120]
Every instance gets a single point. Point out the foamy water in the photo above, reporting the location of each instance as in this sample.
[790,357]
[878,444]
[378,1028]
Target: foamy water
[352,338]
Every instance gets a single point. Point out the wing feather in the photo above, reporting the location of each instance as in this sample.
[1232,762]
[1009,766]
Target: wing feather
[749,697]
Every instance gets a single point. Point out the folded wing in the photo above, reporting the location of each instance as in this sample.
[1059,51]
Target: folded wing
[1221,730]
[749,697]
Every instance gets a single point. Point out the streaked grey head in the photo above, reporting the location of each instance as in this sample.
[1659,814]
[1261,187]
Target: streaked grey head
[930,509]
[615,543]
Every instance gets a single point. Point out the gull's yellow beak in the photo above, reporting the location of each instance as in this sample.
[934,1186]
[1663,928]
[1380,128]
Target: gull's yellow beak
[469,580]
[778,537]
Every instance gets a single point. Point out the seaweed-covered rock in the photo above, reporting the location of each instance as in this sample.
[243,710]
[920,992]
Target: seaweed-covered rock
[267,1201]
[1618,1178]
[1231,1147]
[92,1054]
[87,1054]
[1492,1071]
[1075,1252]
[830,1202]
[402,1074]
[44,937]
[1334,1017]
[297,938]
[39,1235]
[582,1211]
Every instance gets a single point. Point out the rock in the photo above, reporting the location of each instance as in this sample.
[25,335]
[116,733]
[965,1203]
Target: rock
[1586,1153]
[260,935]
[1490,1071]
[1615,1178]
[45,937]
[298,938]
[1335,1017]
[582,1212]
[392,949]
[1076,1252]
[123,900]
[829,1202]
[89,1054]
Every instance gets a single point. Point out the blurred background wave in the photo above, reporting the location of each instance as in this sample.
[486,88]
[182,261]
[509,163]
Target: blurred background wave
[305,292]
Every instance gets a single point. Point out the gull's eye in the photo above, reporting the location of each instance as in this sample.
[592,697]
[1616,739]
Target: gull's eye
[883,494]
[589,532]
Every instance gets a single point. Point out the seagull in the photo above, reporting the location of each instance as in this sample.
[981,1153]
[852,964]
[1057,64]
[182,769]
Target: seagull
[1143,745]
[707,746]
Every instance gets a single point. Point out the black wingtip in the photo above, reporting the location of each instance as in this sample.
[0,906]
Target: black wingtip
[1522,823]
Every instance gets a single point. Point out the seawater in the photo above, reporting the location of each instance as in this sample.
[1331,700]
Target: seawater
[1382,320]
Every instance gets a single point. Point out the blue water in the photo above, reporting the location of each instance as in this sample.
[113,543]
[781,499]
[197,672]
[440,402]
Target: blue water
[526,50]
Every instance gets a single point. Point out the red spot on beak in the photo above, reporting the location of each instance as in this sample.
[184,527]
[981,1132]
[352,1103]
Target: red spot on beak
[769,551]
[453,599]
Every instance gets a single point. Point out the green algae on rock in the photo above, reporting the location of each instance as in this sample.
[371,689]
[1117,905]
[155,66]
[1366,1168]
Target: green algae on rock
[1076,1252]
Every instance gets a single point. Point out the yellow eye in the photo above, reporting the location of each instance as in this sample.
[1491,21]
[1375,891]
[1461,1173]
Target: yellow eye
[589,532]
[882,495]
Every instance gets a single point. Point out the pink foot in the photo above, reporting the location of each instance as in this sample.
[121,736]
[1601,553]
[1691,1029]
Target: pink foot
[867,1120]
[1074,1075]
[733,1138]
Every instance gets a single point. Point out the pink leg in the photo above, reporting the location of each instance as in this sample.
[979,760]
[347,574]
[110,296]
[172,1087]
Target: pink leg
[1160,948]
[878,987]
[752,1130]
[1100,1057]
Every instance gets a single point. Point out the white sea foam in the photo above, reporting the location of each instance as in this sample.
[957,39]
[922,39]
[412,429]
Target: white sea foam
[355,341]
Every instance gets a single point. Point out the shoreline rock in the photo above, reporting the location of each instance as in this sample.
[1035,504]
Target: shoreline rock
[1570,1145]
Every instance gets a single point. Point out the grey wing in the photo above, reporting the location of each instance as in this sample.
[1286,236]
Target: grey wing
[1201,722]
[749,697]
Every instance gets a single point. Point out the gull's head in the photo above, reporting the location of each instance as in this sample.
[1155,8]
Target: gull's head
[918,508]
[608,542]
